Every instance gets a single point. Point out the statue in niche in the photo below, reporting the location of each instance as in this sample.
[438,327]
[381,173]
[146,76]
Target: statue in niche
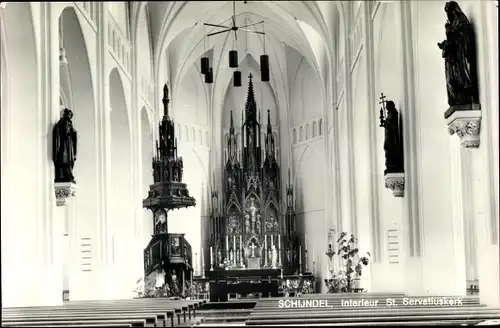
[257,224]
[393,145]
[247,224]
[292,252]
[64,141]
[459,53]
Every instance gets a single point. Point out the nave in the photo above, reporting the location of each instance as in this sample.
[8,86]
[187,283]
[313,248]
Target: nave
[348,128]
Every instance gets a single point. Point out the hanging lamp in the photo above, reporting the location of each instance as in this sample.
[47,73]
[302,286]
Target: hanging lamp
[233,58]
[209,77]
[205,61]
[264,63]
[233,54]
[204,65]
[236,79]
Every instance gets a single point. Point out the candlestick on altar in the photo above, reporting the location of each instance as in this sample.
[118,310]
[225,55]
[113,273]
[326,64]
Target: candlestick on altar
[306,261]
[300,259]
[211,261]
[234,250]
[227,246]
[273,260]
[195,266]
[265,250]
[183,283]
[281,273]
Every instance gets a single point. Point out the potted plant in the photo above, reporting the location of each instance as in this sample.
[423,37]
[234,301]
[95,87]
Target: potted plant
[337,283]
[348,252]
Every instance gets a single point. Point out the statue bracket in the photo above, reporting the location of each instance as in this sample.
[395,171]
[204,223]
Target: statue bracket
[395,182]
[466,124]
[63,191]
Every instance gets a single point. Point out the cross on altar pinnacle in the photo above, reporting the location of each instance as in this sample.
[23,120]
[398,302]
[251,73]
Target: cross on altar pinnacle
[250,76]
[382,99]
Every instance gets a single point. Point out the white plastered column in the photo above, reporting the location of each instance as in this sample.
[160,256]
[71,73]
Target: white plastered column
[52,215]
[104,151]
[482,163]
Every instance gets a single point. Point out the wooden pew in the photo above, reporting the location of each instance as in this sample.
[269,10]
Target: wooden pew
[267,312]
[160,308]
[161,313]
[85,323]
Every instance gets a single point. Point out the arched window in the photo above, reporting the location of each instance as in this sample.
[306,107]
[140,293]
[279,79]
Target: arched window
[200,137]
[294,136]
[320,127]
[186,134]
[308,133]
[207,142]
[314,129]
[193,135]
[301,134]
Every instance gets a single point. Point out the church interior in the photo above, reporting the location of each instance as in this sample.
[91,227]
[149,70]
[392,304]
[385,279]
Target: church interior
[208,152]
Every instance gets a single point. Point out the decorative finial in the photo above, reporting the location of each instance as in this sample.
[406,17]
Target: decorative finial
[165,100]
[250,76]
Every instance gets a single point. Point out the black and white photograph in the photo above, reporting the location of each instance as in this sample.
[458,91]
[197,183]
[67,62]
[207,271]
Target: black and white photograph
[249,163]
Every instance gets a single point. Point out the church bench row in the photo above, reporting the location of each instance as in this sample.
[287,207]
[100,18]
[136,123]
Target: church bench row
[340,312]
[153,318]
[355,311]
[81,323]
[162,309]
[186,305]
[376,317]
[378,324]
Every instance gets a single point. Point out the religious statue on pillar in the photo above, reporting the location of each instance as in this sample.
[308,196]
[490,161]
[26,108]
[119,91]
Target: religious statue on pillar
[393,141]
[64,145]
[459,53]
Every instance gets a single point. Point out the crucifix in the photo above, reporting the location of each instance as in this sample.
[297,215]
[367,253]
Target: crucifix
[253,246]
[382,109]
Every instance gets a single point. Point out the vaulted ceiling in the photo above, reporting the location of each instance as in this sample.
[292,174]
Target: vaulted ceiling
[178,37]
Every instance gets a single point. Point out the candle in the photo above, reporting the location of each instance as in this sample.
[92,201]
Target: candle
[313,254]
[241,243]
[305,242]
[211,255]
[272,241]
[300,253]
[234,242]
[279,242]
[265,241]
[227,243]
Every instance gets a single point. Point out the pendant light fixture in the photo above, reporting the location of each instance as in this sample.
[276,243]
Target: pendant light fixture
[236,79]
[233,58]
[209,77]
[205,65]
[233,54]
[205,61]
[264,62]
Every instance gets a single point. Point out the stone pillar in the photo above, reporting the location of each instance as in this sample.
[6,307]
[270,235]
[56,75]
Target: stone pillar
[105,176]
[49,273]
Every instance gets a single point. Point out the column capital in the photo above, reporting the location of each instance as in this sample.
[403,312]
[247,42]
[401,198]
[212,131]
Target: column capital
[466,124]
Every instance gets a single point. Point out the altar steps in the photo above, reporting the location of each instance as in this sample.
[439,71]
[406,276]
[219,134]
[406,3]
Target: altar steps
[220,314]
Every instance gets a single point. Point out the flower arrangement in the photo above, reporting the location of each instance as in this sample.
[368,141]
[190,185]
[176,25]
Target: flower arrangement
[341,281]
[338,282]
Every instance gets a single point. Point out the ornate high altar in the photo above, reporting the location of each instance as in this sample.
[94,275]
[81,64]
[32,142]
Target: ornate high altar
[251,234]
